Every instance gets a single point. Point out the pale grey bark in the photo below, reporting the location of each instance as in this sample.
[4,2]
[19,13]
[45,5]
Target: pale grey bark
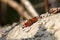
[47,28]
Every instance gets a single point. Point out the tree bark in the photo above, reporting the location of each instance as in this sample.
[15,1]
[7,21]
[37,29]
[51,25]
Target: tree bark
[47,28]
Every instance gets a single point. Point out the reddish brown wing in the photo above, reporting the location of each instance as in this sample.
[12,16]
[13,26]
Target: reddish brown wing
[31,21]
[34,19]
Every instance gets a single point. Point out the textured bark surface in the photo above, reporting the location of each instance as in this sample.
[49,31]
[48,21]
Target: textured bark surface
[46,28]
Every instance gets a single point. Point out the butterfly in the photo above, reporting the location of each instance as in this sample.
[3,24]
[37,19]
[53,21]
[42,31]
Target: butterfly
[31,21]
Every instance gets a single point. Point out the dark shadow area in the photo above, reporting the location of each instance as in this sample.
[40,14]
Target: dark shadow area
[40,10]
[35,1]
[9,17]
[12,16]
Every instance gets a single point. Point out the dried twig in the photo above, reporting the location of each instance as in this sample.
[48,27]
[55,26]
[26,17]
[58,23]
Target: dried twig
[18,8]
[46,5]
[30,8]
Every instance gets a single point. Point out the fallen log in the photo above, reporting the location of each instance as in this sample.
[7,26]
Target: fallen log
[46,28]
